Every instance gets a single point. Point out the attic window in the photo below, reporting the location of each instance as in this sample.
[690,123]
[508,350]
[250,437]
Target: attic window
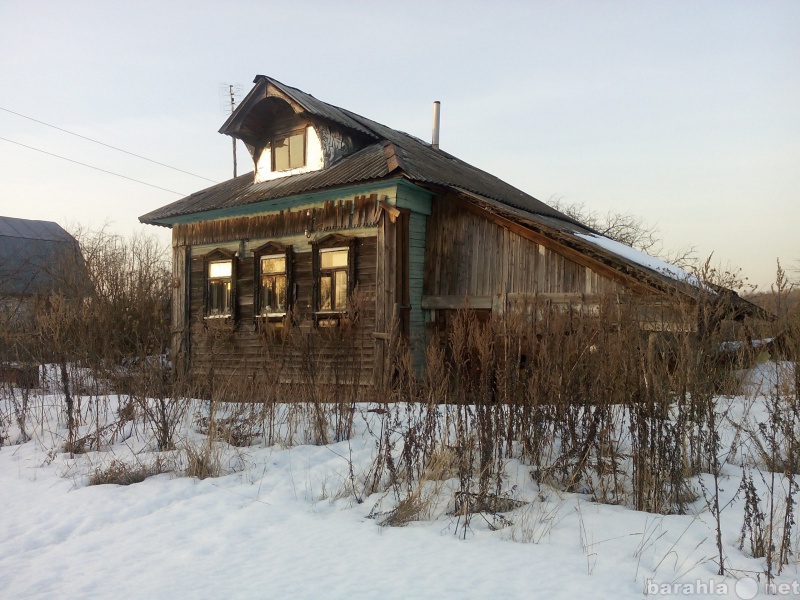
[289,150]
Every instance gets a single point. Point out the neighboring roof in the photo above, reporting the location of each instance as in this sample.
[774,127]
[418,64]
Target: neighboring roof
[35,257]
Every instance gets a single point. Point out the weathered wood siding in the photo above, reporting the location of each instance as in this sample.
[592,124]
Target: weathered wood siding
[470,256]
[243,347]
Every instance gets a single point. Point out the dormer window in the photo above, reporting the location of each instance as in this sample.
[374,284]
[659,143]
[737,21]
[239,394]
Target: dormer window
[289,150]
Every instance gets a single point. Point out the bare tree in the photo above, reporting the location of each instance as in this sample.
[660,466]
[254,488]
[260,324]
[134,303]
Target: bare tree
[627,229]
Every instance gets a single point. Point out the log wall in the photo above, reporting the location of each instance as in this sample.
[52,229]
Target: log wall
[303,346]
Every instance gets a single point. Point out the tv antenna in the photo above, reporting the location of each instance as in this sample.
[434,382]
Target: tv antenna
[230,95]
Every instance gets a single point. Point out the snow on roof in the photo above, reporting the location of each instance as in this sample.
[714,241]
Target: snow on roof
[642,259]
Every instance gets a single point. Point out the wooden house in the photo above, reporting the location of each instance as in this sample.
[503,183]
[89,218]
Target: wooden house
[340,210]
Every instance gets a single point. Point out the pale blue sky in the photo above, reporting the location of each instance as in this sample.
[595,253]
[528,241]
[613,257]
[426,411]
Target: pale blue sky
[684,113]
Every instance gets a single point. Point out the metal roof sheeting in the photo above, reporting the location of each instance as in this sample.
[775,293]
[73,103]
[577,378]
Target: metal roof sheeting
[36,257]
[33,230]
[365,165]
[418,162]
[318,108]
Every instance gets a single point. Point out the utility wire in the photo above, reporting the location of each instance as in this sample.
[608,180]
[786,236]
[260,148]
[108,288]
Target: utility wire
[77,162]
[106,145]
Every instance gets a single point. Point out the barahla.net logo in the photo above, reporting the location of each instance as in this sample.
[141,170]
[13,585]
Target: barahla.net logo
[746,588]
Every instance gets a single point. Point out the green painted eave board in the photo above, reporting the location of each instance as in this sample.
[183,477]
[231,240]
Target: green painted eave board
[414,198]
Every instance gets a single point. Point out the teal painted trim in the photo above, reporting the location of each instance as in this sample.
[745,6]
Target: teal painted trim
[414,198]
[417,227]
[266,206]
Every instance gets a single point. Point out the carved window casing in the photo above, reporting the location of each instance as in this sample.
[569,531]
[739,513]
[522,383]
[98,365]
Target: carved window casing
[220,284]
[274,285]
[334,266]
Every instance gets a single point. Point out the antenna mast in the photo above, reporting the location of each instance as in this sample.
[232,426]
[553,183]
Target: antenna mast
[233,107]
[229,93]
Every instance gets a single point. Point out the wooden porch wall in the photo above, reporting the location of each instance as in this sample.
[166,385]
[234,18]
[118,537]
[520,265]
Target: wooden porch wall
[470,256]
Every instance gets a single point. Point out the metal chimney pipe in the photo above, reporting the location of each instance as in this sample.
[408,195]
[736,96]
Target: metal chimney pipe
[435,140]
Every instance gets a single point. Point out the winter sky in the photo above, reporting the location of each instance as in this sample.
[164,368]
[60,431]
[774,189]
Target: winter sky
[684,113]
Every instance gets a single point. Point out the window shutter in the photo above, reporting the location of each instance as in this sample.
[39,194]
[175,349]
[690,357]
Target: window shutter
[234,289]
[206,310]
[256,286]
[351,266]
[289,278]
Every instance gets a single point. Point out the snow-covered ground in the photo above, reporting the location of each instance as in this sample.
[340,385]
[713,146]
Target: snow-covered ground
[282,522]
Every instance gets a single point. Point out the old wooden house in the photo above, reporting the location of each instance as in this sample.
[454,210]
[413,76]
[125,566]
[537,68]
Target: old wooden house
[346,224]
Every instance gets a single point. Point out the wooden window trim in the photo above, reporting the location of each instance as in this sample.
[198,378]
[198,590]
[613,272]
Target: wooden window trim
[333,241]
[273,249]
[220,254]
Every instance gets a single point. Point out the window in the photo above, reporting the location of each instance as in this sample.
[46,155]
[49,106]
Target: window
[334,273]
[333,279]
[273,263]
[220,284]
[289,151]
[273,284]
[220,274]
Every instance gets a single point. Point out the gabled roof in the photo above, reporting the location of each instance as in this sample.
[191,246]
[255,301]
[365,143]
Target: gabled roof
[300,101]
[389,153]
[35,257]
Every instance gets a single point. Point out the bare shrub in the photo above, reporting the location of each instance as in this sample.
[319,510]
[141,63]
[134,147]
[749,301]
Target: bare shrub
[203,460]
[119,472]
[422,497]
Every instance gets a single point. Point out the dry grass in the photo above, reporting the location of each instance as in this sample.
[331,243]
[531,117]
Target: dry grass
[203,460]
[119,472]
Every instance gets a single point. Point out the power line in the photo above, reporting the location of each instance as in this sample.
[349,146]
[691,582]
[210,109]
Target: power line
[77,162]
[106,145]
